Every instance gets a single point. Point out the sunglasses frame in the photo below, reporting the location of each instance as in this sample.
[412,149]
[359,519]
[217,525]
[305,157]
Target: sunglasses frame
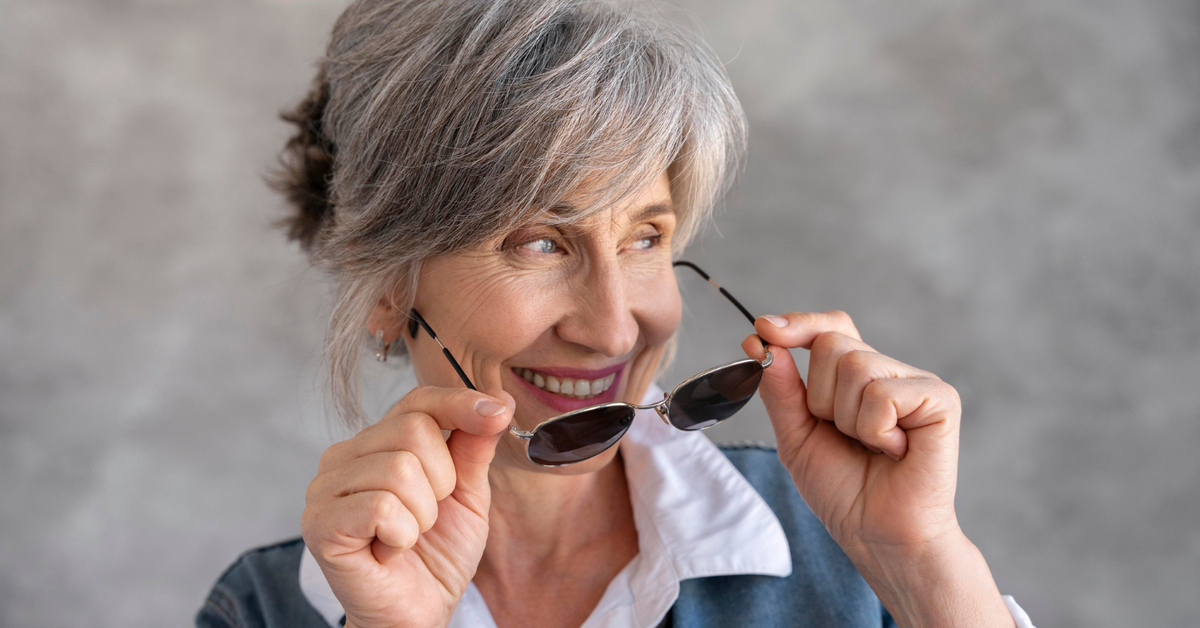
[661,407]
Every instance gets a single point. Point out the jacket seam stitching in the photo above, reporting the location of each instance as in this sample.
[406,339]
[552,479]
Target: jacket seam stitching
[219,606]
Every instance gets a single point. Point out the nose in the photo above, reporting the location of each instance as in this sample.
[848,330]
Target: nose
[602,318]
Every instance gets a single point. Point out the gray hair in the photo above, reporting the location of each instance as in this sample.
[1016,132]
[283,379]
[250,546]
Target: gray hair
[435,125]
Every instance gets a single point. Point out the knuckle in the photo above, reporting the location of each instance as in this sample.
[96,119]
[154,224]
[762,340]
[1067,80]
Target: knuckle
[329,457]
[383,506]
[411,399]
[839,316]
[799,317]
[420,393]
[826,343]
[408,426]
[950,394]
[425,427]
[404,465]
[311,493]
[855,364]
[308,524]
[876,393]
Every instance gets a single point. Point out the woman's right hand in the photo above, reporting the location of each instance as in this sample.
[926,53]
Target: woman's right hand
[397,516]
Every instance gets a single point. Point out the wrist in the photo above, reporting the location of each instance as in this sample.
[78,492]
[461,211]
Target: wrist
[942,582]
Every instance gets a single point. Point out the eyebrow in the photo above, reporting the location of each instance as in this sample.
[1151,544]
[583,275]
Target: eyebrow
[650,211]
[645,213]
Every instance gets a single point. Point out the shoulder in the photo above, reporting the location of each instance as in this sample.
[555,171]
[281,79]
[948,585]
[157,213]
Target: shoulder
[259,590]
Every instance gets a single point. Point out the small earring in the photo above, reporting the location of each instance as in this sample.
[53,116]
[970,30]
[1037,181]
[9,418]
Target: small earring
[381,352]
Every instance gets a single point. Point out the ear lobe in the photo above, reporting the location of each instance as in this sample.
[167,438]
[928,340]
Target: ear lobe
[382,318]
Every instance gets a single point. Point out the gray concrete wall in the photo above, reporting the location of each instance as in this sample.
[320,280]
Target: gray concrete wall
[1004,193]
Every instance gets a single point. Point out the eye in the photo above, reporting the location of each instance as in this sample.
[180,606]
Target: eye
[646,242]
[541,245]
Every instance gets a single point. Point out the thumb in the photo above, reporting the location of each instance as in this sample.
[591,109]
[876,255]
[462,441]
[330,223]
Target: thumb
[784,395]
[472,455]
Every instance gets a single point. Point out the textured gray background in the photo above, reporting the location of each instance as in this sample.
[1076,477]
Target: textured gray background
[1005,193]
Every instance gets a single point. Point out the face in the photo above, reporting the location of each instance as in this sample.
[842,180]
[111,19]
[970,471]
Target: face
[560,317]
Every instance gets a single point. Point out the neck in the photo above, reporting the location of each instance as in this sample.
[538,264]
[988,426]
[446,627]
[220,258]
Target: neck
[561,537]
[543,516]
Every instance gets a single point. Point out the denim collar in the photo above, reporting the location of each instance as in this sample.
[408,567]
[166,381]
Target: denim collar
[696,516]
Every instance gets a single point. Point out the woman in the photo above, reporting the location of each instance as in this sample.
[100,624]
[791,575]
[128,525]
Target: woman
[516,177]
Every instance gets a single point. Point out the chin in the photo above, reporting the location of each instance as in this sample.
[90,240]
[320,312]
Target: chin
[591,465]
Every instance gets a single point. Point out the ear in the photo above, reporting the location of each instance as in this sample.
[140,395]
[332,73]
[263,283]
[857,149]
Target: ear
[385,317]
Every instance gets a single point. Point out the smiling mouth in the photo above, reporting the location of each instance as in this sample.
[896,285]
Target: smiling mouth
[567,386]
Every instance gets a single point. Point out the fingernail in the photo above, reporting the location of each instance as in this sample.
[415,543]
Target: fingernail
[486,407]
[892,456]
[873,449]
[777,321]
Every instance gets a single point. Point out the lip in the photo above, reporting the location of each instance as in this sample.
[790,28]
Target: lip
[572,373]
[567,404]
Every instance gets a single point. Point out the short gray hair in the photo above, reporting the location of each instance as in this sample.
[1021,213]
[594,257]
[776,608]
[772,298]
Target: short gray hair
[435,125]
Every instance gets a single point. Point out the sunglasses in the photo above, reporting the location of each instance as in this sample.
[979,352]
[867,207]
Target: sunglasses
[700,402]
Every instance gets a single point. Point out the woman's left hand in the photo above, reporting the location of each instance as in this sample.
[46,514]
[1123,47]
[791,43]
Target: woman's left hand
[872,445]
[871,442]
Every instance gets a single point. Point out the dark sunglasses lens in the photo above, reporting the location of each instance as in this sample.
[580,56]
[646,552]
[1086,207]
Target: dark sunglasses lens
[579,436]
[708,400]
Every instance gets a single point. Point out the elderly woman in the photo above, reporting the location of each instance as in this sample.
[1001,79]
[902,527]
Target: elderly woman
[500,189]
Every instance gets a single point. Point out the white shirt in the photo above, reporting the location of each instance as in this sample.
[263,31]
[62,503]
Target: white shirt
[696,516]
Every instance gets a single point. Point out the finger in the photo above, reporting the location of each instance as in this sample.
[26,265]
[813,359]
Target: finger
[463,409]
[784,395]
[800,329]
[400,473]
[472,455]
[827,350]
[415,432]
[899,414]
[449,409]
[348,524]
[855,370]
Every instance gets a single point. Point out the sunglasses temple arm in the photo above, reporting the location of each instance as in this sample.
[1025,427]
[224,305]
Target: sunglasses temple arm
[741,308]
[446,352]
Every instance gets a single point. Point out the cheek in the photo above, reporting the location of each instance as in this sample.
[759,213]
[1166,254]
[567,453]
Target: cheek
[485,315]
[507,314]
[659,309]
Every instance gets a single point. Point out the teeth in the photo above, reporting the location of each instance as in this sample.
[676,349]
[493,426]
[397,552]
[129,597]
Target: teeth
[580,388]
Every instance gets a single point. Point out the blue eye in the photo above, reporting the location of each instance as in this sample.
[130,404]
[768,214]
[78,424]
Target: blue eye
[541,245]
[648,242]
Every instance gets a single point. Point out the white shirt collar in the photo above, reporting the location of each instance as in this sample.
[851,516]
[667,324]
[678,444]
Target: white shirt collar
[696,516]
